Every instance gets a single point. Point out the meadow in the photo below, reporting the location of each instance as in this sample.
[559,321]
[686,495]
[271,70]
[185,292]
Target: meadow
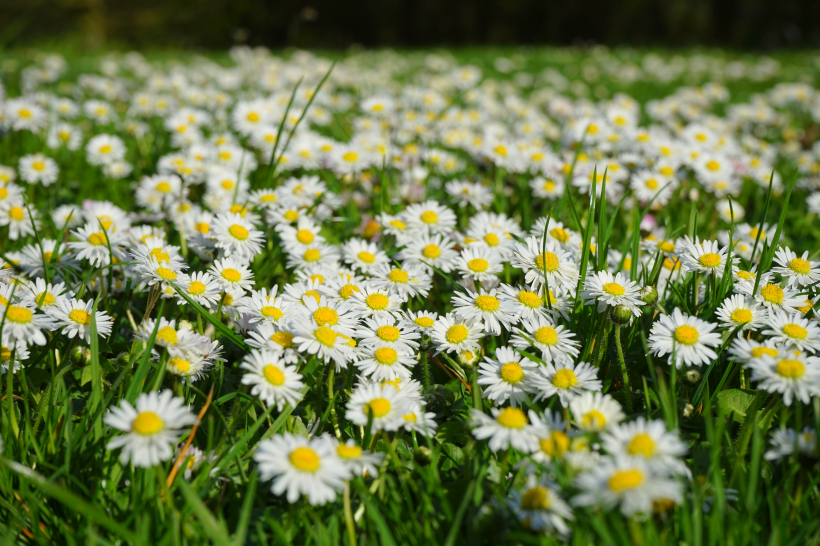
[532,296]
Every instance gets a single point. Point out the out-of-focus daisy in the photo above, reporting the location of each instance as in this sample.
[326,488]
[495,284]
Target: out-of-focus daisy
[596,412]
[793,330]
[794,375]
[430,251]
[785,443]
[540,507]
[358,461]
[38,168]
[650,440]
[508,427]
[364,256]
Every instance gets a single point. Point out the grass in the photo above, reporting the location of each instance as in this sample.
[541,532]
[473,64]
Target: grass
[58,483]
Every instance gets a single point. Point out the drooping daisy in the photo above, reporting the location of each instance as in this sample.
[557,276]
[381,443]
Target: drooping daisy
[792,375]
[479,263]
[689,339]
[373,302]
[152,428]
[301,466]
[596,412]
[628,482]
[453,334]
[565,379]
[611,290]
[507,427]
[740,311]
[793,330]
[230,273]
[555,342]
[540,507]
[382,405]
[74,316]
[507,378]
[649,440]
[796,270]
[545,264]
[487,308]
[274,382]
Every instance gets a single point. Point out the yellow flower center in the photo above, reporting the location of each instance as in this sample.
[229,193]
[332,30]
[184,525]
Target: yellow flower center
[180,364]
[313,294]
[378,407]
[231,275]
[754,232]
[147,423]
[614,289]
[487,303]
[642,444]
[291,215]
[347,290]
[594,419]
[478,265]
[97,239]
[325,336]
[167,274]
[397,275]
[457,333]
[304,459]
[741,316]
[167,335]
[564,378]
[710,259]
[253,117]
[652,184]
[556,445]
[686,334]
[304,236]
[560,234]
[547,262]
[791,369]
[511,372]
[105,149]
[800,266]
[398,224]
[377,302]
[350,156]
[386,356]
[512,418]
[388,333]
[757,352]
[312,255]
[424,322]
[325,316]
[429,217]
[238,232]
[44,299]
[79,316]
[772,294]
[272,312]
[274,375]
[795,331]
[491,239]
[667,246]
[745,275]
[19,315]
[196,288]
[546,335]
[284,339]
[203,228]
[163,187]
[431,251]
[367,257]
[530,299]
[38,166]
[348,452]
[536,498]
[625,479]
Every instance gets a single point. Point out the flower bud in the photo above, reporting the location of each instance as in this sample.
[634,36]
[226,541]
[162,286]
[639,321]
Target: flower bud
[423,456]
[620,314]
[692,377]
[649,295]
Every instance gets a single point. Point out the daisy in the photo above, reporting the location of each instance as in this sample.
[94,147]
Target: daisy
[323,341]
[94,243]
[21,220]
[565,379]
[507,427]
[786,442]
[387,331]
[793,330]
[274,382]
[547,188]
[792,375]
[688,338]
[527,303]
[746,349]
[479,263]
[374,302]
[429,217]
[406,280]
[38,168]
[203,288]
[423,320]
[103,149]
[152,428]
[772,296]
[417,420]
[555,342]
[611,290]
[382,405]
[364,256]
[453,334]
[315,255]
[554,440]
[237,237]
[385,363]
[358,461]
[153,273]
[796,270]
[267,336]
[740,311]
[628,482]
[23,324]
[545,264]
[430,251]
[45,295]
[190,365]
[489,309]
[230,273]
[301,236]
[661,449]
[301,466]
[74,316]
[596,412]
[266,307]
[540,507]
[508,378]
[176,341]
[18,351]
[704,257]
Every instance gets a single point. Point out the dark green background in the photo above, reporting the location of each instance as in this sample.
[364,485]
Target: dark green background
[740,24]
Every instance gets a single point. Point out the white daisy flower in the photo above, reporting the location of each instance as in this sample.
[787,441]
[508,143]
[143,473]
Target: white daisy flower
[555,342]
[689,339]
[45,295]
[237,237]
[546,264]
[796,270]
[771,295]
[596,412]
[792,375]
[489,309]
[508,427]
[231,274]
[38,168]
[323,341]
[565,379]
[358,461]
[152,428]
[203,288]
[74,316]
[266,307]
[374,302]
[746,349]
[740,311]
[417,420]
[274,382]
[267,336]
[540,507]
[406,280]
[429,217]
[453,334]
[385,363]
[364,256]
[315,255]
[23,324]
[387,331]
[793,330]
[430,251]
[383,405]
[423,320]
[611,290]
[94,243]
[479,263]
[507,378]
[651,441]
[177,341]
[705,257]
[787,442]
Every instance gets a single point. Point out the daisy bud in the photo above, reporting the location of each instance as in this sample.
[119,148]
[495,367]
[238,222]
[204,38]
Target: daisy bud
[649,295]
[692,377]
[423,456]
[620,314]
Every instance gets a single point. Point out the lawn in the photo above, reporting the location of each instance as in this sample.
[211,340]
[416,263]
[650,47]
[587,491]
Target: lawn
[395,297]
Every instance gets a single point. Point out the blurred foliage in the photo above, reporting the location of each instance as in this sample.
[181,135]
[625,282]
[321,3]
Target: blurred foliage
[216,24]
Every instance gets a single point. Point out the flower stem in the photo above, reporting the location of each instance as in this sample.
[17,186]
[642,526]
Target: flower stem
[627,391]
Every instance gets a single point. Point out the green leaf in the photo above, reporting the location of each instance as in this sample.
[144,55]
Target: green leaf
[735,401]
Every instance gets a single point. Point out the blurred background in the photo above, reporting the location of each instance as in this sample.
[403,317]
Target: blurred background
[334,24]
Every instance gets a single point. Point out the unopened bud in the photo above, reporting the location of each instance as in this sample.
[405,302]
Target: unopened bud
[692,377]
[649,295]
[621,314]
[423,456]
